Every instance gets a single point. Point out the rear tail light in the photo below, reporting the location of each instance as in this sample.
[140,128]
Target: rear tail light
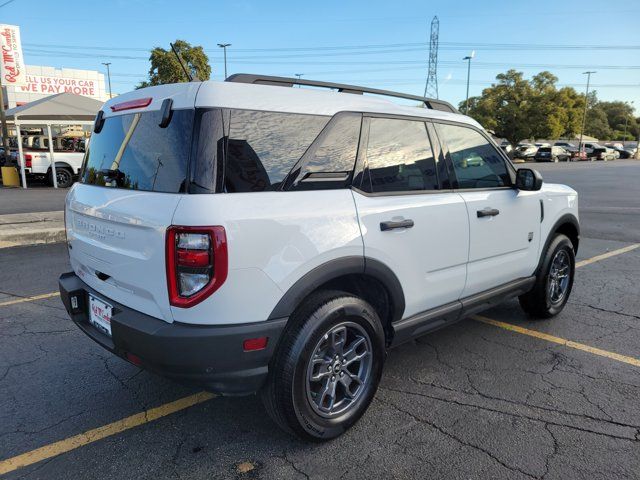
[197,263]
[27,160]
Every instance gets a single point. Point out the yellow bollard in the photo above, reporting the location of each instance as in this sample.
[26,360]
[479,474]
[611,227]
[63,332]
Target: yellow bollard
[10,177]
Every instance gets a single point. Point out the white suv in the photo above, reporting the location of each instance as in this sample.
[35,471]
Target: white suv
[248,237]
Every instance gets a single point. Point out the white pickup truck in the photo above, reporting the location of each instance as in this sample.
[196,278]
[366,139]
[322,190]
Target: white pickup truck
[68,153]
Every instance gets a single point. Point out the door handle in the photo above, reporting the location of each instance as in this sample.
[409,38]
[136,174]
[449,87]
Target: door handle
[488,212]
[390,225]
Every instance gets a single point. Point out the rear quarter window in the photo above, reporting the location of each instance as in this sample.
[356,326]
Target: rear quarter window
[263,147]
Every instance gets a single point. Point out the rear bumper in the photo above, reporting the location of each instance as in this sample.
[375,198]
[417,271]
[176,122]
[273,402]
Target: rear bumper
[211,357]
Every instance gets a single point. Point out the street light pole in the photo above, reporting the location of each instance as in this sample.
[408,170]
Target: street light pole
[468,59]
[584,114]
[108,77]
[626,121]
[224,46]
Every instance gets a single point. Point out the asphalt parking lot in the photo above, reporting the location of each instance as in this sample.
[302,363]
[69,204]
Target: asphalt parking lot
[496,396]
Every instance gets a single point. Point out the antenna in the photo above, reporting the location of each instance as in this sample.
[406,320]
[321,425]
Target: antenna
[431,87]
[184,68]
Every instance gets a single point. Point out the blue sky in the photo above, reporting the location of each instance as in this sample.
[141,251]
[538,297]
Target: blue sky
[391,39]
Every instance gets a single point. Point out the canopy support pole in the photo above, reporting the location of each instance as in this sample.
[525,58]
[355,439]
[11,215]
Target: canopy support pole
[21,154]
[53,163]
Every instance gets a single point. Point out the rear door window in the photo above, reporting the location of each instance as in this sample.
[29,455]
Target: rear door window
[400,157]
[263,147]
[133,152]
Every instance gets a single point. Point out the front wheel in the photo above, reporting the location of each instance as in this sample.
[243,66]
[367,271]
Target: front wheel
[327,367]
[554,280]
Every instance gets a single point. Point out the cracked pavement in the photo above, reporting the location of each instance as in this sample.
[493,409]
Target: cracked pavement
[468,401]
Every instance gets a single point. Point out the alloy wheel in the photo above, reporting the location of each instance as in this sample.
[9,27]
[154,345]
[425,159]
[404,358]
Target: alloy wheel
[559,276]
[339,369]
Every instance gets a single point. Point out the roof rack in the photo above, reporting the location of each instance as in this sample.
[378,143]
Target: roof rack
[290,82]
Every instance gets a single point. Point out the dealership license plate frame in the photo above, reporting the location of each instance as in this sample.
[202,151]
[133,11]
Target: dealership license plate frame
[100,314]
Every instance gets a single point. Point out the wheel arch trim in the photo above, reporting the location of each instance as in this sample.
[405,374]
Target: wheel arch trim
[567,218]
[334,269]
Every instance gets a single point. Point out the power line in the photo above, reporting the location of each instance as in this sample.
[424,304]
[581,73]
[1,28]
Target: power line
[245,61]
[443,45]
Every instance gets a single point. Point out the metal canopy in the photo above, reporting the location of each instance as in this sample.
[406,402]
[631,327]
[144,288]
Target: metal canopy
[60,109]
[63,107]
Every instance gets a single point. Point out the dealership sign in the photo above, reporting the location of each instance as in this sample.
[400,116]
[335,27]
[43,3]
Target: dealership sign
[12,68]
[51,85]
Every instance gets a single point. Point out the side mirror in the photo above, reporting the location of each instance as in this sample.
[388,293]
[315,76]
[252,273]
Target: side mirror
[528,179]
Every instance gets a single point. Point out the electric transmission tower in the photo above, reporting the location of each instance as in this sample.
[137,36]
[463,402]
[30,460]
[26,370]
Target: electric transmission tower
[431,87]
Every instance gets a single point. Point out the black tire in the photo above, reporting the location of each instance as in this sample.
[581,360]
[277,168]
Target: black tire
[287,394]
[542,301]
[64,177]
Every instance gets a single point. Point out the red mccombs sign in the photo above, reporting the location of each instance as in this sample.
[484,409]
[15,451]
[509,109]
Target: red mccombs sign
[12,67]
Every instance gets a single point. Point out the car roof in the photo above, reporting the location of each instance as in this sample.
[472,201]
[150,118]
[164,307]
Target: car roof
[271,98]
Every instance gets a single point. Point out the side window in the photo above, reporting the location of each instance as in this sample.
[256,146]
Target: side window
[476,163]
[263,147]
[329,162]
[399,156]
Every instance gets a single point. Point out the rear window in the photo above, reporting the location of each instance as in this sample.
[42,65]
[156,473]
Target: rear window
[133,152]
[544,149]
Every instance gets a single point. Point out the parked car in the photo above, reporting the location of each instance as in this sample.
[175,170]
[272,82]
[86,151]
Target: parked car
[568,146]
[525,151]
[552,154]
[67,152]
[614,145]
[507,148]
[599,152]
[248,237]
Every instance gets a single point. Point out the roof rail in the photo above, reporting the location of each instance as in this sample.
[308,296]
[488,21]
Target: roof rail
[290,82]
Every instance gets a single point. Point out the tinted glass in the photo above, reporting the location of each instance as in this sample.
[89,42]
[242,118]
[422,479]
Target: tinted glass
[400,157]
[330,160]
[133,152]
[264,146]
[476,163]
[209,153]
[544,149]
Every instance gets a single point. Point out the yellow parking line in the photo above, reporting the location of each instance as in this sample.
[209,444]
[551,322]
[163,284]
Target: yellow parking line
[29,299]
[560,341]
[90,436]
[604,256]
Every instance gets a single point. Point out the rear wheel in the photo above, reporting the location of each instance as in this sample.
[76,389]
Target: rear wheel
[64,177]
[327,367]
[553,282]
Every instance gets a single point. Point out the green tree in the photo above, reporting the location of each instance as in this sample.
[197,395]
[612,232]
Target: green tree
[618,113]
[165,67]
[504,106]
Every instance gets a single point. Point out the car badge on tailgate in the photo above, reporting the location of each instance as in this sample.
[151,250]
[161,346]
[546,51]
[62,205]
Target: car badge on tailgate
[99,231]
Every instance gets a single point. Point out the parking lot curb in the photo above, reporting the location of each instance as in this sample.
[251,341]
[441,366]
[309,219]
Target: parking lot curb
[31,229]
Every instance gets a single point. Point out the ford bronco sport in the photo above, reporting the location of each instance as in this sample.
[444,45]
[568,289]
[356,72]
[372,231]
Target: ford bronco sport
[247,237]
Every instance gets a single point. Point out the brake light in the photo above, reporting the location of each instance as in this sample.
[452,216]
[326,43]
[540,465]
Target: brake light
[137,103]
[197,263]
[27,160]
